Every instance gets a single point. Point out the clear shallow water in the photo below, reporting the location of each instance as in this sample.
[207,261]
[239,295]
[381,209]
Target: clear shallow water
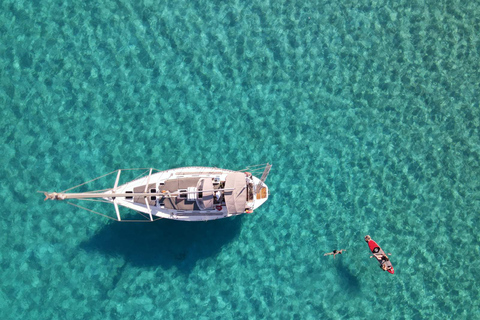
[368,110]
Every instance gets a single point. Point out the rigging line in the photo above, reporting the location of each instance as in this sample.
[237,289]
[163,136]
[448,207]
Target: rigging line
[256,170]
[138,177]
[256,166]
[88,181]
[141,213]
[99,191]
[146,220]
[76,205]
[105,176]
[94,200]
[142,175]
[140,220]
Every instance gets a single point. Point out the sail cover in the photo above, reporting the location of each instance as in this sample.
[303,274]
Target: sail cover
[236,198]
[206,202]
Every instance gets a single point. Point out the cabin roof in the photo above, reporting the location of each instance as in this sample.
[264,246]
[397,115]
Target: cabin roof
[237,198]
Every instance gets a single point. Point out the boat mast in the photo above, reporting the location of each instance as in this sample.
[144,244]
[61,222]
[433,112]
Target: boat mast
[88,195]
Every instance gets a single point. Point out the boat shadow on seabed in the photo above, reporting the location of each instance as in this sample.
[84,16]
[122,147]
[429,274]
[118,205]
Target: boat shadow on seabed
[347,279]
[165,243]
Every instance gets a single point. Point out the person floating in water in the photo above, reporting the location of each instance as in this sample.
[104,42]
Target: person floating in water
[334,252]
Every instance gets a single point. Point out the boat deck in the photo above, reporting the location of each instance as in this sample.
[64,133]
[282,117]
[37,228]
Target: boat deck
[173,185]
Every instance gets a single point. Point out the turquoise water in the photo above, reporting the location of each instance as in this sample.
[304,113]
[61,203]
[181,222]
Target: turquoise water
[368,110]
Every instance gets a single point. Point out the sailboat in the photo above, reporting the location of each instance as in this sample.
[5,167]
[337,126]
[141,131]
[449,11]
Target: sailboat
[185,194]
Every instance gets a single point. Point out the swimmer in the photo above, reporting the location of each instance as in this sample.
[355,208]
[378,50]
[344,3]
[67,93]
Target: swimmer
[334,252]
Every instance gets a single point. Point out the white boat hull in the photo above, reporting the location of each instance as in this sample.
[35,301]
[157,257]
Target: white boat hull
[185,194]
